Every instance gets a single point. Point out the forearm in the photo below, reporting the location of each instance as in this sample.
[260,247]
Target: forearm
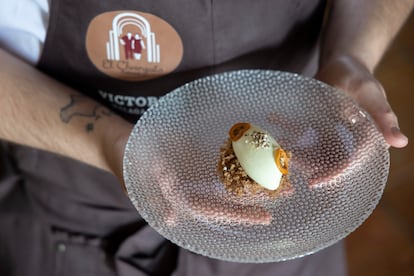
[362,29]
[40,112]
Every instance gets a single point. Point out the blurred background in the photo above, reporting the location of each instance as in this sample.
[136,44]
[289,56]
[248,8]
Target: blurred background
[384,244]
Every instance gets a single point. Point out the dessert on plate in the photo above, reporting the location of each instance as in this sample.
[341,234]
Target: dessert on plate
[252,161]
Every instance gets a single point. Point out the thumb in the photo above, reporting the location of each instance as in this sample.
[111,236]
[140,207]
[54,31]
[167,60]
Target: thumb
[387,123]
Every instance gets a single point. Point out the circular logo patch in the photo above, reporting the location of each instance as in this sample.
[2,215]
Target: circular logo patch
[132,45]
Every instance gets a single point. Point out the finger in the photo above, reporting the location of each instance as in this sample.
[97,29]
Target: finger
[397,139]
[388,125]
[220,211]
[372,97]
[210,208]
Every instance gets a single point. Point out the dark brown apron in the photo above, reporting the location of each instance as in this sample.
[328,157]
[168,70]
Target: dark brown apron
[61,217]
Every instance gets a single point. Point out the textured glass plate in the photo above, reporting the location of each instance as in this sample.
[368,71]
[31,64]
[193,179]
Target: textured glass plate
[338,170]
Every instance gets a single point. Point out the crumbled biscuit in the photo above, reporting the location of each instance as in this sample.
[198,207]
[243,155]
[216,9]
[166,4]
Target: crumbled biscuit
[236,180]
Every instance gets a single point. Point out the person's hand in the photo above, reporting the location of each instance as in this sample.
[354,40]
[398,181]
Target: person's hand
[351,76]
[114,147]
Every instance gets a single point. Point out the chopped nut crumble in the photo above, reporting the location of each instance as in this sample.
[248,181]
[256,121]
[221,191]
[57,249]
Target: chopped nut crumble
[235,179]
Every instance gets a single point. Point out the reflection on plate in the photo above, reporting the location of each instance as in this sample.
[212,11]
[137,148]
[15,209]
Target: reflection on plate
[338,169]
